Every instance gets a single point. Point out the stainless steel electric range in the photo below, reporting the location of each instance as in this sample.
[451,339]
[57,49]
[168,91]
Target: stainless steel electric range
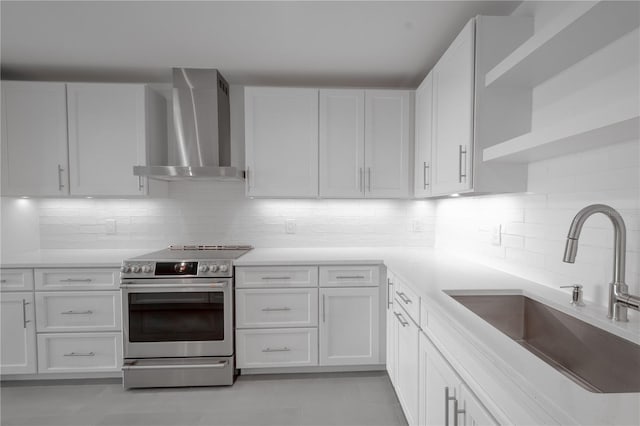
[177,307]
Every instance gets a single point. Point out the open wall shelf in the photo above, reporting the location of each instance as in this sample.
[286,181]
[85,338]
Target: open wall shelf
[581,30]
[617,124]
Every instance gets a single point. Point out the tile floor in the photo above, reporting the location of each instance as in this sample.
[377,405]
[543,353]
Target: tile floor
[300,399]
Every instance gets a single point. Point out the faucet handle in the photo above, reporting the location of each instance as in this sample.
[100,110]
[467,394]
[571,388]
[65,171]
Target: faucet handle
[576,295]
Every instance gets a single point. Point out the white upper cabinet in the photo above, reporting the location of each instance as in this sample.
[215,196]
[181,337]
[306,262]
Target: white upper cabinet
[109,126]
[281,136]
[34,138]
[423,135]
[106,138]
[466,117]
[387,143]
[453,93]
[342,143]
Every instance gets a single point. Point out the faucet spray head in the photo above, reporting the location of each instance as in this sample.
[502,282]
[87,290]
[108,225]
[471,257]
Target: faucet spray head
[570,250]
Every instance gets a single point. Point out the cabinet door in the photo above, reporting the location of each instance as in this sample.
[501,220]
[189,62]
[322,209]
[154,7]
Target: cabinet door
[439,386]
[281,137]
[453,95]
[423,125]
[407,365]
[34,138]
[387,121]
[341,143]
[349,326]
[18,334]
[106,138]
[392,343]
[474,412]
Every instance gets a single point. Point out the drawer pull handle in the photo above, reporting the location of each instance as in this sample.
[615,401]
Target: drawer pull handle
[401,319]
[276,309]
[404,297]
[352,277]
[447,398]
[133,366]
[76,280]
[77,312]
[276,278]
[80,354]
[389,296]
[24,313]
[283,349]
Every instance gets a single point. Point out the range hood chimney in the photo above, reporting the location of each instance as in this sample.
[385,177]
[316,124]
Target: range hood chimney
[201,119]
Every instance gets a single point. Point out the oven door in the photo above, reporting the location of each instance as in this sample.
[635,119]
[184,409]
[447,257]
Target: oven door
[177,317]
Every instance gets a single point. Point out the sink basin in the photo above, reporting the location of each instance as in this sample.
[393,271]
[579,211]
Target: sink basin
[595,359]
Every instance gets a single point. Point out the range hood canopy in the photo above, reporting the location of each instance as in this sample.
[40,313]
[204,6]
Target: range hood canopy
[201,118]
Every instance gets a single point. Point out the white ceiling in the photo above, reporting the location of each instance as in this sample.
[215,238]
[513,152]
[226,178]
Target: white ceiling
[323,43]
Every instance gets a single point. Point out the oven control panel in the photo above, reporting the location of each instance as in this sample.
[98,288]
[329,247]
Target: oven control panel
[172,269]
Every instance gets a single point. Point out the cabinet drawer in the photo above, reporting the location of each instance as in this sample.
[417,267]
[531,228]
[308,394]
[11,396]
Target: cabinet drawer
[277,276]
[408,299]
[262,308]
[16,279]
[77,279]
[79,352]
[350,276]
[277,348]
[78,311]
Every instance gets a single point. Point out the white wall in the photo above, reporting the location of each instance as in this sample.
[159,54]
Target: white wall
[219,213]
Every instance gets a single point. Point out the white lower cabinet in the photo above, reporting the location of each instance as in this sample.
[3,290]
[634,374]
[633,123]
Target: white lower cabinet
[406,382]
[79,352]
[78,311]
[285,347]
[444,398]
[315,316]
[18,334]
[349,326]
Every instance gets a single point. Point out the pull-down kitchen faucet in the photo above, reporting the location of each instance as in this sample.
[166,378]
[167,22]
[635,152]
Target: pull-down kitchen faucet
[619,297]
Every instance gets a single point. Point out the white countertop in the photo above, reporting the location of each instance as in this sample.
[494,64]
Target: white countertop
[106,258]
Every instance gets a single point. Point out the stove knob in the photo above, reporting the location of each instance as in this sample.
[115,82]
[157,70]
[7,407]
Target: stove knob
[146,269]
[135,269]
[213,268]
[125,269]
[223,268]
[203,268]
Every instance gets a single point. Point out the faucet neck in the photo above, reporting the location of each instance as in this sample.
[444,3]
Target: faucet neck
[619,238]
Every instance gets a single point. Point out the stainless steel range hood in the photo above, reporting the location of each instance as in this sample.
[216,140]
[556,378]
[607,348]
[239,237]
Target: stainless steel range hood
[201,119]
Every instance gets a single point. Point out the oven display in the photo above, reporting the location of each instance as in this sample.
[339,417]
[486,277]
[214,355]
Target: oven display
[176,268]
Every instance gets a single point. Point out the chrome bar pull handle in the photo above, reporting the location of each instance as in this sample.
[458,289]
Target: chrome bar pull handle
[403,322]
[404,297]
[76,280]
[87,312]
[140,184]
[24,313]
[276,278]
[456,412]
[369,173]
[276,309]
[80,354]
[447,398]
[324,316]
[60,184]
[283,349]
[389,293]
[462,150]
[361,178]
[353,277]
[424,175]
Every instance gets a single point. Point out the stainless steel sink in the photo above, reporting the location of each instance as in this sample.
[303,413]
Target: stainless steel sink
[595,359]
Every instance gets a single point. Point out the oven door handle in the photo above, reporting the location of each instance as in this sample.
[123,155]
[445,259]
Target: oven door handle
[220,284]
[220,364]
